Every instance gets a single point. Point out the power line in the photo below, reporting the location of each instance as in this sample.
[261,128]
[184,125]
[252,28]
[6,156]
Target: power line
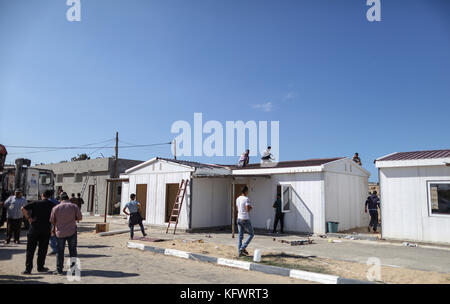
[84,147]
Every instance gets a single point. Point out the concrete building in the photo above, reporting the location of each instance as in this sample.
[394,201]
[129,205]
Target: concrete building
[415,195]
[313,192]
[91,174]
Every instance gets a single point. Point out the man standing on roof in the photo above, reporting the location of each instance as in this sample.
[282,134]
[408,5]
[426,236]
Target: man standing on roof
[356,159]
[244,224]
[373,202]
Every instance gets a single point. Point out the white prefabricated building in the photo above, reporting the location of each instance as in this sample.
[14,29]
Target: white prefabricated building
[415,195]
[313,192]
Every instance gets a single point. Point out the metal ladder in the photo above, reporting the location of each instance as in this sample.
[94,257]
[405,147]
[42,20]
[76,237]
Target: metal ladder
[85,183]
[175,214]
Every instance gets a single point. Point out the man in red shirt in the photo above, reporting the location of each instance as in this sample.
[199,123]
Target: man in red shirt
[64,217]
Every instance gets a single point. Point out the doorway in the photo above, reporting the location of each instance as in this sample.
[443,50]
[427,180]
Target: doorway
[91,194]
[141,197]
[171,195]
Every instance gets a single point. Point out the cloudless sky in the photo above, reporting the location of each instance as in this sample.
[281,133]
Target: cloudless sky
[337,83]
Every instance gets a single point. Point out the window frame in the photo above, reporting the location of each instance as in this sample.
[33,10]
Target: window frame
[283,186]
[430,211]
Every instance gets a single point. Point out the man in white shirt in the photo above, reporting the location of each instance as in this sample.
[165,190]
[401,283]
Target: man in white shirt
[244,225]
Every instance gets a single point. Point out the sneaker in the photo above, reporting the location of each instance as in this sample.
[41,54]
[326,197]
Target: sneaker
[145,234]
[245,252]
[26,272]
[58,272]
[43,269]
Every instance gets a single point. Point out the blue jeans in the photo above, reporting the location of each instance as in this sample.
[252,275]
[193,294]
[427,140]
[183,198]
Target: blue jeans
[53,244]
[244,226]
[72,243]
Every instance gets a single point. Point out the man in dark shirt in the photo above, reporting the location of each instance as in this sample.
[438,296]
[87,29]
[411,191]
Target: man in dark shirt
[373,202]
[279,215]
[38,215]
[80,201]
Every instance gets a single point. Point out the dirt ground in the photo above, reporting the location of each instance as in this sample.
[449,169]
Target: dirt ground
[350,270]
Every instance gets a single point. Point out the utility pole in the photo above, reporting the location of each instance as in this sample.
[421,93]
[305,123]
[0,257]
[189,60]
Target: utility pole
[116,171]
[175,149]
[117,155]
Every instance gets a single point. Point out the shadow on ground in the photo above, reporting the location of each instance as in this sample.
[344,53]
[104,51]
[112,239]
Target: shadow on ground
[12,279]
[88,256]
[107,274]
[93,246]
[7,251]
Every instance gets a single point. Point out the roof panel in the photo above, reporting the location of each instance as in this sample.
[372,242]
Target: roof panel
[415,155]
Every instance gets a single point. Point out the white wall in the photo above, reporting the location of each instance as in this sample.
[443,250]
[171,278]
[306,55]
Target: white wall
[211,202]
[306,214]
[345,196]
[156,176]
[404,204]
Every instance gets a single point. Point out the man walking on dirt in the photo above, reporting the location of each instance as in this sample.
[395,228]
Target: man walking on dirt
[134,207]
[244,225]
[373,202]
[38,215]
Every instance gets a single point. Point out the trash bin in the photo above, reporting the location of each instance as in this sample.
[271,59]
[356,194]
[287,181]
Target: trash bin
[333,227]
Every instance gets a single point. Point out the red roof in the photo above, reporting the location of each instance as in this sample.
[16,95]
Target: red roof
[417,155]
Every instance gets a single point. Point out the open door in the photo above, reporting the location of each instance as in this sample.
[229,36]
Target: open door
[171,195]
[141,197]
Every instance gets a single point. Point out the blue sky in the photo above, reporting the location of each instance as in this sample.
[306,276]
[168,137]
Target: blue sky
[337,83]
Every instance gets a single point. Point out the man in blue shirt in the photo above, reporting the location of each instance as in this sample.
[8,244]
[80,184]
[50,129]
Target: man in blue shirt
[135,217]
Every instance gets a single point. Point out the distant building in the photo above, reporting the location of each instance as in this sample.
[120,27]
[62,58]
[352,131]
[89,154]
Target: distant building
[91,174]
[415,195]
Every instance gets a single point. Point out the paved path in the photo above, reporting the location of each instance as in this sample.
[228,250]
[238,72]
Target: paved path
[102,261]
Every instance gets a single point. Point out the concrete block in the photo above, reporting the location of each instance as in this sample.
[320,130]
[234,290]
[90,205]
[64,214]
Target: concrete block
[202,258]
[270,269]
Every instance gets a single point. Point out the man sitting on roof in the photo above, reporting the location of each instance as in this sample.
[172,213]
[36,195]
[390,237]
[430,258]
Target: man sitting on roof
[356,159]
[244,159]
[266,155]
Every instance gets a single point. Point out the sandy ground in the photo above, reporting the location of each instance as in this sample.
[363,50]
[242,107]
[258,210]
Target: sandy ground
[106,260]
[344,269]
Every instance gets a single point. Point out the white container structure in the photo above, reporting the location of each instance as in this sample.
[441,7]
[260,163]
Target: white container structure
[313,192]
[415,195]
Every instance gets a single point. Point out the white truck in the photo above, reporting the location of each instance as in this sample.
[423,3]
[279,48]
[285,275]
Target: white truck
[32,181]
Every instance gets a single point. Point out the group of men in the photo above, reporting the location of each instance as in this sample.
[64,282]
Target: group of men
[266,156]
[49,218]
